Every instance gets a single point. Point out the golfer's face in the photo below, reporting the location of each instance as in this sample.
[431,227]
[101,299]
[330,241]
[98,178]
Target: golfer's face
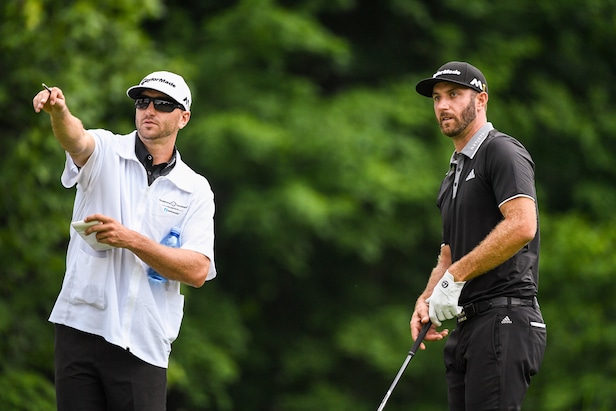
[454,107]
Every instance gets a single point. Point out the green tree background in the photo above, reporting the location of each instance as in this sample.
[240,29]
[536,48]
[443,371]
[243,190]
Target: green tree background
[325,165]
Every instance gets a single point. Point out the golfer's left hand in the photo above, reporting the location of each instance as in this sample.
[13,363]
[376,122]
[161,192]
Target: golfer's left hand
[443,303]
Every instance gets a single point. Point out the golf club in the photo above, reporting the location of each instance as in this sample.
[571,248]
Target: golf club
[411,354]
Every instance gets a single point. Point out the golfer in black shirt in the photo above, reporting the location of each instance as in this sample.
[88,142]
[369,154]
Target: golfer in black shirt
[487,272]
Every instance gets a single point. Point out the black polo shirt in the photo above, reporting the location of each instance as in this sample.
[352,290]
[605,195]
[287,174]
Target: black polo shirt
[491,169]
[153,171]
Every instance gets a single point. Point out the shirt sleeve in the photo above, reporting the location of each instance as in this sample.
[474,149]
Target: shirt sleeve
[512,169]
[73,174]
[198,231]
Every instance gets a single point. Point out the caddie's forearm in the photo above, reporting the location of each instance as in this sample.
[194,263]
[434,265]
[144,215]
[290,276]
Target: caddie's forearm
[69,132]
[187,266]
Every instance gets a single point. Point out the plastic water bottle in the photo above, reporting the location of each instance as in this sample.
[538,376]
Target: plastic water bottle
[171,240]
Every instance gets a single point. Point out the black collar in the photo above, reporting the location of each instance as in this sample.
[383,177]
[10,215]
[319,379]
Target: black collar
[153,171]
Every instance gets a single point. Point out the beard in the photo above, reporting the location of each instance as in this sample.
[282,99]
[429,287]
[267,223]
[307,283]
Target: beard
[467,117]
[154,131]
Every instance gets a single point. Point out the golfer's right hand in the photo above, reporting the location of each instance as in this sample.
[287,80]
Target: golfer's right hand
[418,319]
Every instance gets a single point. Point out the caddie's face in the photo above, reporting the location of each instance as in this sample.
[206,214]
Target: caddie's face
[455,107]
[154,124]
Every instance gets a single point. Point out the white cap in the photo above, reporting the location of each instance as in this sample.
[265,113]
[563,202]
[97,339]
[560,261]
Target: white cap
[166,82]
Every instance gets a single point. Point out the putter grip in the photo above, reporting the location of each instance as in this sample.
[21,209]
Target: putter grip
[420,337]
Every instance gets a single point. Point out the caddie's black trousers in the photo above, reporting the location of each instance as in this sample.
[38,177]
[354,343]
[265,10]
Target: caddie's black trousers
[491,357]
[94,375]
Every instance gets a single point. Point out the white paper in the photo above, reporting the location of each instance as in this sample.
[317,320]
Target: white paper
[81,226]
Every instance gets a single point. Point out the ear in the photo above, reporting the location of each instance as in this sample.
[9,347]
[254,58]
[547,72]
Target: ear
[482,100]
[184,119]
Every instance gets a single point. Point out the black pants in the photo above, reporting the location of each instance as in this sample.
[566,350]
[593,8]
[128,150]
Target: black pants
[490,359]
[94,375]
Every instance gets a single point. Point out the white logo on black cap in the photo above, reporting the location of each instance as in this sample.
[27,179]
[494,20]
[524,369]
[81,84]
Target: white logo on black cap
[446,71]
[477,83]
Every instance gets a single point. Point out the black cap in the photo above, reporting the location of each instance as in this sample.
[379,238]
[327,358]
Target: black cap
[457,72]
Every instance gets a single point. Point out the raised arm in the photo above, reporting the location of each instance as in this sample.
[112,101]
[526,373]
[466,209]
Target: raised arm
[67,129]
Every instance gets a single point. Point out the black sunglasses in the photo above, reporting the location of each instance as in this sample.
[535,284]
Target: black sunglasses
[165,106]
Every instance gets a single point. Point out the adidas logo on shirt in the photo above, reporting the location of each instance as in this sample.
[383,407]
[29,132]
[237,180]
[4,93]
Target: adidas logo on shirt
[471,175]
[506,320]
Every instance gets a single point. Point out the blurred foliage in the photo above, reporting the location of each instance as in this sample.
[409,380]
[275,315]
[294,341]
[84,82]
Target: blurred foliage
[325,165]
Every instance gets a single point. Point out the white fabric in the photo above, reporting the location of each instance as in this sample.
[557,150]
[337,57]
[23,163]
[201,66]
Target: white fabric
[107,293]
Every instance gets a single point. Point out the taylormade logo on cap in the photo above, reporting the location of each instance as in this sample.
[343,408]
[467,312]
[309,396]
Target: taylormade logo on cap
[171,84]
[458,72]
[162,80]
[441,72]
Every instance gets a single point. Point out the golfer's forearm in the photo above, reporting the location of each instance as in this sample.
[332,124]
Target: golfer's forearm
[435,276]
[518,227]
[499,246]
[444,261]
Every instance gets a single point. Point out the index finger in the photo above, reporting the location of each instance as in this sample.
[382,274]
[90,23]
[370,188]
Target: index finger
[98,217]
